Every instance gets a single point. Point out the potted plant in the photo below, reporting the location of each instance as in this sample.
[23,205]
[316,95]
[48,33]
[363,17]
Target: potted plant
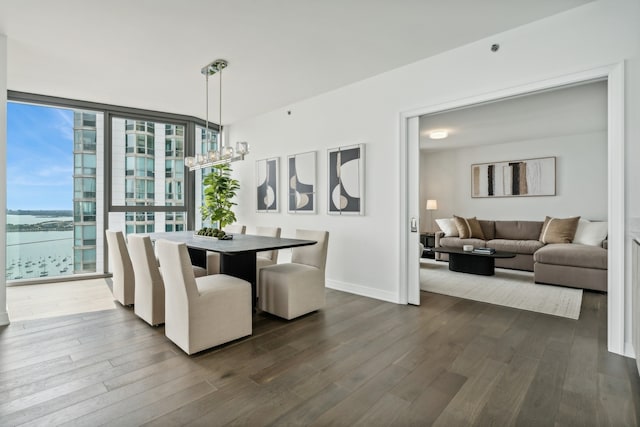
[219,190]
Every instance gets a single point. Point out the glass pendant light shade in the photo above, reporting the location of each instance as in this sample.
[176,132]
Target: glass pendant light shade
[189,161]
[242,148]
[213,156]
[227,152]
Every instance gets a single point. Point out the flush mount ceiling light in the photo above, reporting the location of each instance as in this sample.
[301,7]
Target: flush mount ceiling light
[223,153]
[438,134]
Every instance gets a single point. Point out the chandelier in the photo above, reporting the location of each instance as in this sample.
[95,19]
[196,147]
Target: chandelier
[222,153]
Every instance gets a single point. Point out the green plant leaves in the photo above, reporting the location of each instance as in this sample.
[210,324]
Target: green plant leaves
[219,191]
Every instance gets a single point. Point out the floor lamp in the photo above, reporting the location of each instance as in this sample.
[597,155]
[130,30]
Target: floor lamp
[432,205]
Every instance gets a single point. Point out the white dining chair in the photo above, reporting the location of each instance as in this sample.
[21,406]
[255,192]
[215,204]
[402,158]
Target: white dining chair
[202,312]
[123,280]
[213,258]
[149,285]
[290,290]
[149,293]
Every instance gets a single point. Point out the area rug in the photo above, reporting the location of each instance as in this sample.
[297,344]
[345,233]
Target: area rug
[510,288]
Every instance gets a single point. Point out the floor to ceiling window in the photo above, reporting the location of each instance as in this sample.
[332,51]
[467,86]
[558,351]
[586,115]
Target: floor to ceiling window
[76,168]
[52,191]
[148,176]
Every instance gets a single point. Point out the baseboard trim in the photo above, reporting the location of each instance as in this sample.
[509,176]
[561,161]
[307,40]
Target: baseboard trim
[4,318]
[364,291]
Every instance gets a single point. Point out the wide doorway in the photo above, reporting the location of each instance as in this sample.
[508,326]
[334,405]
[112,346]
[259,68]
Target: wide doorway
[609,76]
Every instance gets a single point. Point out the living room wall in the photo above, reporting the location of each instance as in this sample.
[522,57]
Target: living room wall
[581,164]
[364,250]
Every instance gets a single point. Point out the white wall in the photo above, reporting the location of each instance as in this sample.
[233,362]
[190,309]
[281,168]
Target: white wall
[581,164]
[4,317]
[364,251]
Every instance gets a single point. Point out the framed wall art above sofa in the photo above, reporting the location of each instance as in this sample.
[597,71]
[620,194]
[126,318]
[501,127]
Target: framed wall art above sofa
[514,178]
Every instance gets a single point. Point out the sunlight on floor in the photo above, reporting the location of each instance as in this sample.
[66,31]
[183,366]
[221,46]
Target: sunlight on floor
[58,299]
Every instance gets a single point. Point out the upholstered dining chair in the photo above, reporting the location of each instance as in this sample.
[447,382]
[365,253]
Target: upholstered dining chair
[123,281]
[292,289]
[149,284]
[213,258]
[201,312]
[266,258]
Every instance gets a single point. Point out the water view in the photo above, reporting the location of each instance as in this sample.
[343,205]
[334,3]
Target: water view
[39,245]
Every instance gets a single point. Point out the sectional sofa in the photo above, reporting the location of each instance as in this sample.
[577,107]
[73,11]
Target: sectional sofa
[567,264]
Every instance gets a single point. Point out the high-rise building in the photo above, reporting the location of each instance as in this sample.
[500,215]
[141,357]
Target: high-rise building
[86,204]
[147,169]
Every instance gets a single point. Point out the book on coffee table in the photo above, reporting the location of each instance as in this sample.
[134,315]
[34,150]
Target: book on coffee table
[484,251]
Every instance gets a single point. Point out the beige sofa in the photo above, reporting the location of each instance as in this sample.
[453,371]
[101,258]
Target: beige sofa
[574,265]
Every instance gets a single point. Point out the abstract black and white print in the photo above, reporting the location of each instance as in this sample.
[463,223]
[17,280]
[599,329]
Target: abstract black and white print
[302,183]
[516,178]
[267,171]
[346,180]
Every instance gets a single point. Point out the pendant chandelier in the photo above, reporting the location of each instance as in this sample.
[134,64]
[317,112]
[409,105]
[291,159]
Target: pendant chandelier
[222,153]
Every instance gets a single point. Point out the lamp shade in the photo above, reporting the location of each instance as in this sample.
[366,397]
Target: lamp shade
[432,205]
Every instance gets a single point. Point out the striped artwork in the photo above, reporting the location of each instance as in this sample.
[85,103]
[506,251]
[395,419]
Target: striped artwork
[532,177]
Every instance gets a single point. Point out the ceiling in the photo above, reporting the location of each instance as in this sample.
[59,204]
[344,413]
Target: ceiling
[565,111]
[148,53]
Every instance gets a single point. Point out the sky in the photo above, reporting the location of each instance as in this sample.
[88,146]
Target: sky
[39,157]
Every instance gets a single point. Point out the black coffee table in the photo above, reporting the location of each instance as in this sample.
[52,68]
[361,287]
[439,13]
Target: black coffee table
[473,262]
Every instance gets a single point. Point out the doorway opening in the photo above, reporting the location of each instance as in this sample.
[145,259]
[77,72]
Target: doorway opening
[615,187]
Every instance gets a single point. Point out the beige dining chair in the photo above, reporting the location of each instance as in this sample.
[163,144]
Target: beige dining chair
[266,258]
[149,294]
[149,284]
[201,312]
[213,258]
[123,280]
[292,289]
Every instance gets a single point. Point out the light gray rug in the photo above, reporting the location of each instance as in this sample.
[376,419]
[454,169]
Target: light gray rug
[510,288]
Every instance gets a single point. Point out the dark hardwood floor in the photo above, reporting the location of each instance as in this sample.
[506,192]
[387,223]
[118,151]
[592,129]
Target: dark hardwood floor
[450,362]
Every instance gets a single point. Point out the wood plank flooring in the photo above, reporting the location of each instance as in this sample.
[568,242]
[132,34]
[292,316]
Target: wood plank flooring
[359,362]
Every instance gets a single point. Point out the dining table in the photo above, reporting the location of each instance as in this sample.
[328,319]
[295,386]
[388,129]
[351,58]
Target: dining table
[237,255]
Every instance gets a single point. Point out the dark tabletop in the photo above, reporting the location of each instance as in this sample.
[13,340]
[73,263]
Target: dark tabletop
[239,243]
[496,254]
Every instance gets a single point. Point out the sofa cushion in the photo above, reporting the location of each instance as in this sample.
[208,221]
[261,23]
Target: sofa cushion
[518,230]
[448,226]
[590,233]
[559,230]
[468,228]
[517,246]
[456,242]
[573,255]
[488,229]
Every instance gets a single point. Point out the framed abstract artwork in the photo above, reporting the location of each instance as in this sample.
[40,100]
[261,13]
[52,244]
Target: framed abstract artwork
[267,173]
[302,183]
[515,178]
[345,180]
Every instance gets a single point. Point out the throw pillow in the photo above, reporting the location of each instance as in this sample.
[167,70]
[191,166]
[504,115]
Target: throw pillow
[448,225]
[468,228]
[558,230]
[591,233]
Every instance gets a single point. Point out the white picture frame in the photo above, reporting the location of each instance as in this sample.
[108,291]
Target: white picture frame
[267,184]
[345,180]
[301,183]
